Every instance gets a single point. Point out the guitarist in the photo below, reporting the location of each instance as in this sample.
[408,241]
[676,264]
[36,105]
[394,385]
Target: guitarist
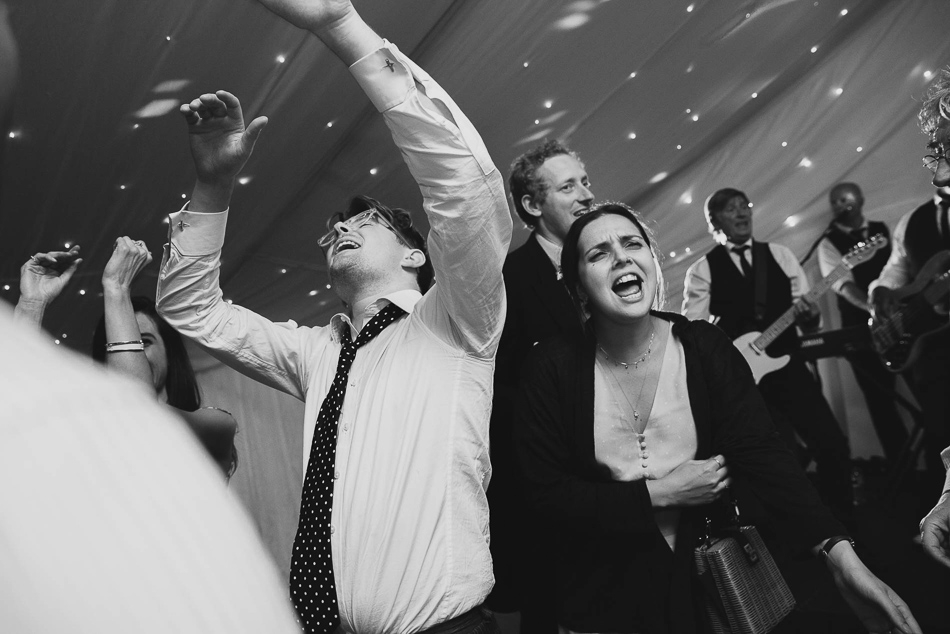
[919,235]
[849,227]
[743,286]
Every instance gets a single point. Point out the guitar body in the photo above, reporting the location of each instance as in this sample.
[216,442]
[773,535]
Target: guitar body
[760,363]
[900,338]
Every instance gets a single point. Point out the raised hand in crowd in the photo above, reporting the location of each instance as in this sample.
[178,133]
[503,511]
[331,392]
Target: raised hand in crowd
[42,278]
[220,146]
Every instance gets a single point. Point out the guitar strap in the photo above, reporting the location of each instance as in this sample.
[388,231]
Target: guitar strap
[760,268]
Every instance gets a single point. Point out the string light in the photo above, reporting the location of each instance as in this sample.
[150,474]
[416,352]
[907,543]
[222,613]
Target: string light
[927,75]
[679,147]
[122,187]
[814,49]
[632,135]
[313,293]
[68,244]
[690,8]
[838,91]
[6,287]
[328,287]
[633,74]
[56,341]
[244,180]
[754,95]
[548,104]
[784,143]
[136,126]
[82,291]
[805,162]
[283,270]
[656,179]
[859,149]
[168,38]
[791,221]
[695,117]
[12,134]
[844,12]
[329,124]
[525,64]
[281,59]
[373,171]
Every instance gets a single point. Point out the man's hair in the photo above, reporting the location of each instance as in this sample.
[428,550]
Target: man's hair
[716,203]
[936,107]
[401,220]
[523,178]
[571,255]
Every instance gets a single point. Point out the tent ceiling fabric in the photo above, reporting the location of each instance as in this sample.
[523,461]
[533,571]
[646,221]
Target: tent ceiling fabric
[98,151]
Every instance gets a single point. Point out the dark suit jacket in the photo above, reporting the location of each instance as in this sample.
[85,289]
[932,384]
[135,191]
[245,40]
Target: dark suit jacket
[539,308]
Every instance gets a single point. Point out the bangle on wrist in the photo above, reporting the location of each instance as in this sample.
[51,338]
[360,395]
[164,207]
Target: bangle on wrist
[832,542]
[126,346]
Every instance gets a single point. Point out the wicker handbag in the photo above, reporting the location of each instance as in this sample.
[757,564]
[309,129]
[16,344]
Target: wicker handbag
[744,590]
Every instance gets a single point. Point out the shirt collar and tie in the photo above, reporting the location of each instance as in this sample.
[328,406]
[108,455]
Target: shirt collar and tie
[740,251]
[341,325]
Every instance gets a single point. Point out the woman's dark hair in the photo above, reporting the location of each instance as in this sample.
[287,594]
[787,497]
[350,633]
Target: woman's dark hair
[571,256]
[181,387]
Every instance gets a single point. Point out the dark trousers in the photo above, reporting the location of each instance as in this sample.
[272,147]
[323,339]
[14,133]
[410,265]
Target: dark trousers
[930,382]
[877,384]
[797,405]
[476,621]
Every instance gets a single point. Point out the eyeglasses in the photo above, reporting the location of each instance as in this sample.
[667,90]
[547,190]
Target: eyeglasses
[736,208]
[931,161]
[356,222]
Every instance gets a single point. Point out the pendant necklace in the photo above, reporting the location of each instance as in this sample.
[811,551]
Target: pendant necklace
[637,362]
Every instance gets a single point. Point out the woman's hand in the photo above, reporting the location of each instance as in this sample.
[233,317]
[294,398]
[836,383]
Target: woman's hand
[873,601]
[42,278]
[693,483]
[128,259]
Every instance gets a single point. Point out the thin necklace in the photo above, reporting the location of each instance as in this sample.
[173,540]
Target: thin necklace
[635,364]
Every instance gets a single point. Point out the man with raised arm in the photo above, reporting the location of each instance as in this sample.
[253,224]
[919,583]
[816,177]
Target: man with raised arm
[393,532]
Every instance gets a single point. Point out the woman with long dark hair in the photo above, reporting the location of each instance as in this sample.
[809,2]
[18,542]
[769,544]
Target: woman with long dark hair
[630,433]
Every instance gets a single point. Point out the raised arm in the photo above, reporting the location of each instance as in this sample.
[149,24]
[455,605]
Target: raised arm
[463,193]
[128,259]
[42,278]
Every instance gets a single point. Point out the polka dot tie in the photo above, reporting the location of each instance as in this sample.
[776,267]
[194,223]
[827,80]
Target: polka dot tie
[312,588]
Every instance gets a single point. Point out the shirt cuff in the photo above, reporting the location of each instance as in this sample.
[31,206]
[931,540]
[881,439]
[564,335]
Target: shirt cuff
[385,76]
[197,234]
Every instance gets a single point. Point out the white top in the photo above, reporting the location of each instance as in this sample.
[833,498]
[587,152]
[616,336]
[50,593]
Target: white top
[112,516]
[410,515]
[829,257]
[668,440]
[696,287]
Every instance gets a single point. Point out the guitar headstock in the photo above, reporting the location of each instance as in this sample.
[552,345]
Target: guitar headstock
[865,250]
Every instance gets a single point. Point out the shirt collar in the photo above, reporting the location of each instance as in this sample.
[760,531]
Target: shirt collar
[847,229]
[552,250]
[341,324]
[732,245]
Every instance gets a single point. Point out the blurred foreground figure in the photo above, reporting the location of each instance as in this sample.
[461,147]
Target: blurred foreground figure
[113,519]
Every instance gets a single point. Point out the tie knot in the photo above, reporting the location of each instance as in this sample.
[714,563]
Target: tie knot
[740,249]
[378,323]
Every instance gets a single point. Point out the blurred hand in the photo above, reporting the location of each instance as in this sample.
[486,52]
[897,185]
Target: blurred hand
[935,531]
[44,276]
[695,482]
[220,144]
[129,257]
[807,314]
[313,15]
[883,303]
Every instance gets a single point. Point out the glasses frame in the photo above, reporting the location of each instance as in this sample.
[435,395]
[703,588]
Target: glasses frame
[931,161]
[357,221]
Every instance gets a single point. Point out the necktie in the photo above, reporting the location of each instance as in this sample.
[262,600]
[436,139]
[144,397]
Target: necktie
[312,588]
[746,267]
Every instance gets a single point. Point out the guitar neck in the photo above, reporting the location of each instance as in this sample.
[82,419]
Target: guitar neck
[782,324]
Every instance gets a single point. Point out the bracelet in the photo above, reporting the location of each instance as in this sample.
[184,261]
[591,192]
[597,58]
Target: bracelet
[122,343]
[125,346]
[833,541]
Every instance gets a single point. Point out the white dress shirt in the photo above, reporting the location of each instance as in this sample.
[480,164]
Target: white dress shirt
[696,288]
[409,523]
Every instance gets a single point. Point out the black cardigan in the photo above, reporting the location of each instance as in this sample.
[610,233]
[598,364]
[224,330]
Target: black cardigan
[615,570]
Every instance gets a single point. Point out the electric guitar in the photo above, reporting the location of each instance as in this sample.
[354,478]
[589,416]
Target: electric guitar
[898,337]
[752,345]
